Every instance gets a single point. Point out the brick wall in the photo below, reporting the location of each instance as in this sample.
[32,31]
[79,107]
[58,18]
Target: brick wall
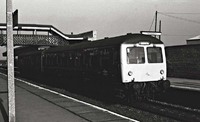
[183,61]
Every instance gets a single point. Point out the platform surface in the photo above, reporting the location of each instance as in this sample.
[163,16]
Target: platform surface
[32,108]
[37,105]
[182,83]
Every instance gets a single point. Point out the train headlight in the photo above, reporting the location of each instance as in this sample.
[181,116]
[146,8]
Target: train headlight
[130,73]
[161,72]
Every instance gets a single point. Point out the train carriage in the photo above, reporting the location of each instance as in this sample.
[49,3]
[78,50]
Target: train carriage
[129,65]
[29,63]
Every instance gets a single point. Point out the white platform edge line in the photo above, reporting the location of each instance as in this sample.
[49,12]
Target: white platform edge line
[102,109]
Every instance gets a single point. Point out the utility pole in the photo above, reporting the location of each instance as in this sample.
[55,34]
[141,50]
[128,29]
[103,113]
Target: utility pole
[156,17]
[10,61]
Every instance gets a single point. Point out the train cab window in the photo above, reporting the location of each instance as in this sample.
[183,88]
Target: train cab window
[154,55]
[135,55]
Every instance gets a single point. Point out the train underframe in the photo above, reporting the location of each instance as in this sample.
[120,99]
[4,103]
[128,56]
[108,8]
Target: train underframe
[107,86]
[142,90]
[124,91]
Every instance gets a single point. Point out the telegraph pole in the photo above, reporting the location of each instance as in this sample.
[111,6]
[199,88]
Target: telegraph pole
[10,61]
[156,17]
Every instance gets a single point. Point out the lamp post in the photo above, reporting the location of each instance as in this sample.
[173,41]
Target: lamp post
[10,61]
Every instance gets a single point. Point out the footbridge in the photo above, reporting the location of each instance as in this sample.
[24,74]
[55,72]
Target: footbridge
[30,37]
[42,35]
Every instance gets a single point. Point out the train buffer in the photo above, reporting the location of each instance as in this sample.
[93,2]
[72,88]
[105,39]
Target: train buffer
[182,83]
[35,104]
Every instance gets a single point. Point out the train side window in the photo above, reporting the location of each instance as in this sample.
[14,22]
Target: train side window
[71,60]
[52,60]
[37,60]
[87,60]
[62,58]
[83,63]
[66,61]
[94,59]
[77,59]
[48,60]
[135,55]
[106,58]
[45,60]
[55,59]
[115,57]
[59,59]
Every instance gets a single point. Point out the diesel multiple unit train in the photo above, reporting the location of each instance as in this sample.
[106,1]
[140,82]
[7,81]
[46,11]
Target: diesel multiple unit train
[126,66]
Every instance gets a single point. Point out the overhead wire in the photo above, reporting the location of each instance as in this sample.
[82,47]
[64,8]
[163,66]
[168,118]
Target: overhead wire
[171,14]
[179,13]
[175,35]
[152,23]
[180,18]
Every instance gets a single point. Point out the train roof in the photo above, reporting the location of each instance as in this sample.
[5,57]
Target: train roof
[113,41]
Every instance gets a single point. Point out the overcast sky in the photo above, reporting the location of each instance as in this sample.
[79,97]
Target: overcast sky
[112,17]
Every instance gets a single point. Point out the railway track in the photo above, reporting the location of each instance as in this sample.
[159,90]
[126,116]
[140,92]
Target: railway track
[177,112]
[152,109]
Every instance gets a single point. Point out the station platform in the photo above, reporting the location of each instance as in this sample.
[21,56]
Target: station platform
[35,104]
[182,83]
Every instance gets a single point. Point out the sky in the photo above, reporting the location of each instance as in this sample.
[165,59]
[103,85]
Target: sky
[112,17]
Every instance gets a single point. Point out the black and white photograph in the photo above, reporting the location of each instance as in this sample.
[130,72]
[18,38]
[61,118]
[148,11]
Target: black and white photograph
[99,61]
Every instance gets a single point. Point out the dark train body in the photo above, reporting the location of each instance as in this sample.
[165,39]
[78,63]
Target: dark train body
[129,65]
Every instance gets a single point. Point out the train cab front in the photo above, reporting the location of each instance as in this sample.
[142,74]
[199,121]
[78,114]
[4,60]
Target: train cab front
[144,66]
